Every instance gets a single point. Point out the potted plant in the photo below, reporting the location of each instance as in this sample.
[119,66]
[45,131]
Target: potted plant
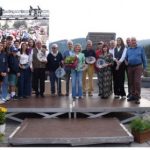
[3,111]
[140,128]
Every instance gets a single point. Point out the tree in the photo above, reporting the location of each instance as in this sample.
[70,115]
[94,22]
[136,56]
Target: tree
[18,24]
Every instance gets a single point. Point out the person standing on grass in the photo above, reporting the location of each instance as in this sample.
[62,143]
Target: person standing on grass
[137,64]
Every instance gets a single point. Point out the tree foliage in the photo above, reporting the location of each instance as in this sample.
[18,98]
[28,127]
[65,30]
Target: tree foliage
[18,24]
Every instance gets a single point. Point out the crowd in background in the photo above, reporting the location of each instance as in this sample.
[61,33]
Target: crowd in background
[23,64]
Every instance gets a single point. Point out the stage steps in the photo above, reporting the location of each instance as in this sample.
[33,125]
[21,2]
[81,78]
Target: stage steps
[75,132]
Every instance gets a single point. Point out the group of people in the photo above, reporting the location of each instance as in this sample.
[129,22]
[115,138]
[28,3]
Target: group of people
[23,66]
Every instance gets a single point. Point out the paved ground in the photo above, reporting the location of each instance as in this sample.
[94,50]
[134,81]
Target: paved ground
[11,125]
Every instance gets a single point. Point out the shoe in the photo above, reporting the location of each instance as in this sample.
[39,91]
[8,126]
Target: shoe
[60,94]
[25,97]
[1,101]
[84,93]
[104,97]
[123,97]
[66,94]
[90,94]
[42,95]
[116,96]
[132,98]
[99,94]
[128,95]
[53,94]
[15,97]
[80,97]
[137,101]
[74,98]
[20,97]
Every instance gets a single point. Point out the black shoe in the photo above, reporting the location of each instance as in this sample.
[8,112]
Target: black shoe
[99,94]
[104,97]
[20,97]
[80,97]
[132,98]
[128,95]
[66,94]
[15,97]
[42,95]
[137,101]
[25,97]
[74,98]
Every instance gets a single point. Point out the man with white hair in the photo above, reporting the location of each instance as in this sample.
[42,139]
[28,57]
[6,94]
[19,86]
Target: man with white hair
[54,61]
[137,63]
[39,67]
[67,53]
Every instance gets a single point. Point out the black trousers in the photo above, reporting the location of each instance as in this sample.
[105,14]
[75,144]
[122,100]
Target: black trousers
[119,79]
[39,80]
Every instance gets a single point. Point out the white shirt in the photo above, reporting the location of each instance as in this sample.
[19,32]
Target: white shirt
[24,58]
[123,54]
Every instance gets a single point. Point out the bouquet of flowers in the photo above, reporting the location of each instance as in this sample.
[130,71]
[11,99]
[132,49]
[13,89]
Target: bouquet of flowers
[71,62]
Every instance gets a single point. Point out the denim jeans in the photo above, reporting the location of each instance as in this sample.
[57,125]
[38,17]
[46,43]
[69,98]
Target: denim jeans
[24,82]
[4,88]
[76,83]
[54,79]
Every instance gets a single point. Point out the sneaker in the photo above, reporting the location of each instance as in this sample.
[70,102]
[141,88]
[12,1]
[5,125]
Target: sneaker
[116,96]
[123,97]
[2,101]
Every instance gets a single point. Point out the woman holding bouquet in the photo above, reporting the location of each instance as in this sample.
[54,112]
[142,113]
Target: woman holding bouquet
[76,73]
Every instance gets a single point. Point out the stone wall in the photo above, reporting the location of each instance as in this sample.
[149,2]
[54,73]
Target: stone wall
[96,37]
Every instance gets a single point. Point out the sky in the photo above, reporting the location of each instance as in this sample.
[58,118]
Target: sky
[75,18]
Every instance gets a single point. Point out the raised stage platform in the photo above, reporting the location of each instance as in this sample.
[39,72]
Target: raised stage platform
[75,132]
[93,107]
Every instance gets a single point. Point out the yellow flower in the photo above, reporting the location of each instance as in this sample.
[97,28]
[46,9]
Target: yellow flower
[3,109]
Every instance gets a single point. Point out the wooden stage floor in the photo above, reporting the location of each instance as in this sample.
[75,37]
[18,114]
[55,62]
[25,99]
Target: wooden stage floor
[92,106]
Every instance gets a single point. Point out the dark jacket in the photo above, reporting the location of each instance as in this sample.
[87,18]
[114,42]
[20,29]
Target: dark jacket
[53,62]
[3,62]
[13,64]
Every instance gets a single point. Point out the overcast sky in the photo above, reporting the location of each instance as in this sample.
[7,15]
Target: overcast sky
[75,18]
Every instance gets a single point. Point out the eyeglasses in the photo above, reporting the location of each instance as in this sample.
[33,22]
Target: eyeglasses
[53,47]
